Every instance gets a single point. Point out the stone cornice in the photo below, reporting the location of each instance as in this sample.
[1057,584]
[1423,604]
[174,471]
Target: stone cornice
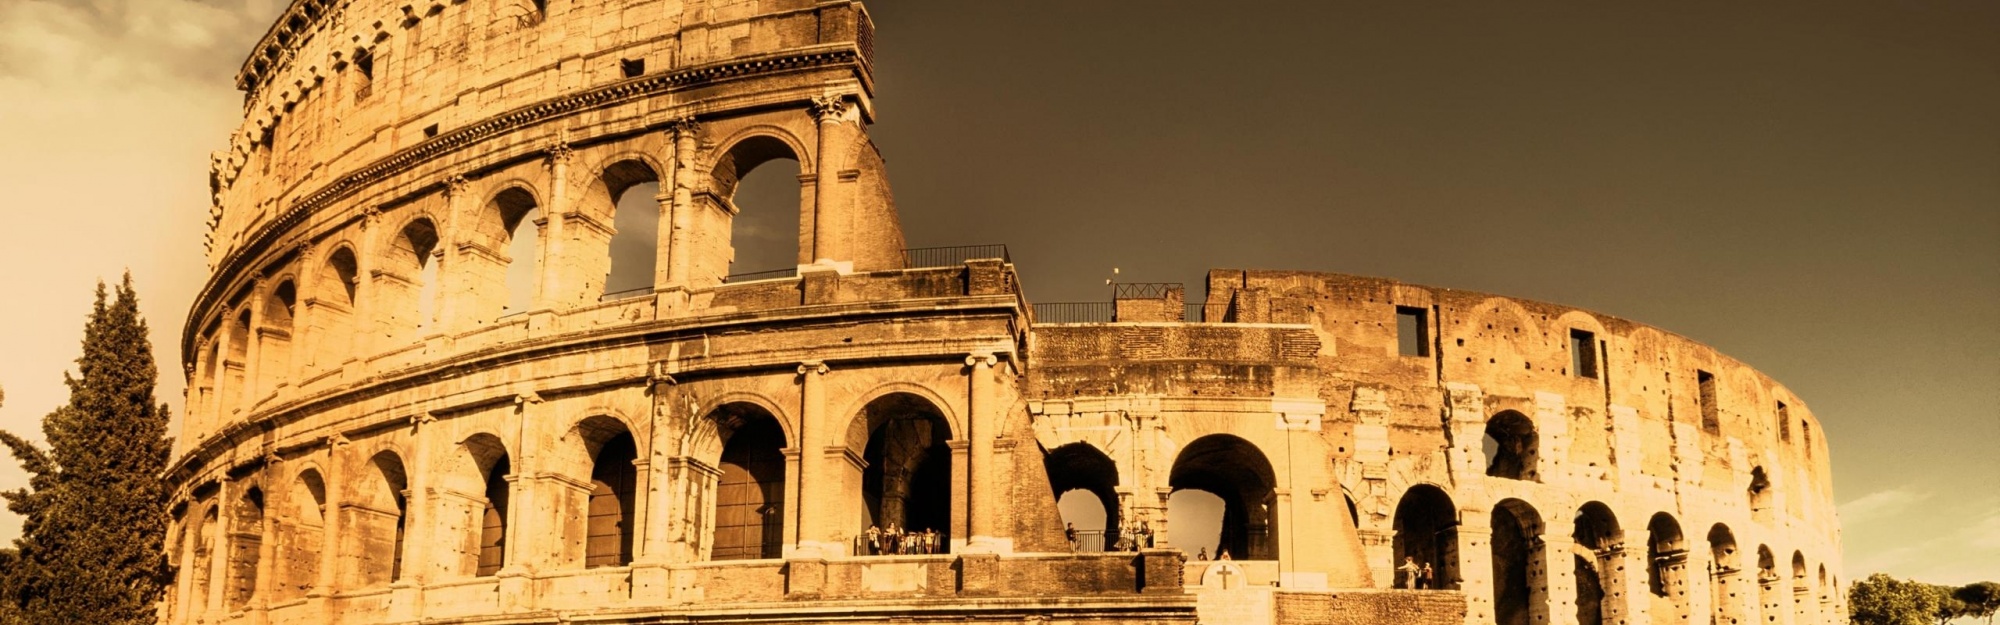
[406,159]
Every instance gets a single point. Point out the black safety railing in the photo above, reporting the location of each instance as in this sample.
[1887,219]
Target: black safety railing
[1075,312]
[1205,313]
[952,256]
[774,274]
[1142,290]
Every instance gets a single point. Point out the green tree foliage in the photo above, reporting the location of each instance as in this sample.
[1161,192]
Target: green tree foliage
[94,512]
[1982,598]
[1885,600]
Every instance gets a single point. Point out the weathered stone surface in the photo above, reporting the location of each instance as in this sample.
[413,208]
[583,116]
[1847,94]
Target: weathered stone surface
[381,428]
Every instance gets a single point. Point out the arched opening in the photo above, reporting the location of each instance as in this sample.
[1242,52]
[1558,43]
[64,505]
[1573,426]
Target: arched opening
[332,306]
[759,178]
[1760,495]
[613,482]
[475,508]
[1234,470]
[1666,571]
[405,298]
[1727,581]
[235,356]
[374,522]
[633,189]
[750,487]
[246,540]
[1085,482]
[201,574]
[1427,535]
[1520,583]
[1600,597]
[1511,447]
[906,486]
[520,227]
[300,540]
[275,338]
[1769,597]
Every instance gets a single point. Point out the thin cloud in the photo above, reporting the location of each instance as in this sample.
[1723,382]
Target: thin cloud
[1879,505]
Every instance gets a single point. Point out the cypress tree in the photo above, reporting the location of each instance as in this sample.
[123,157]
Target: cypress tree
[94,511]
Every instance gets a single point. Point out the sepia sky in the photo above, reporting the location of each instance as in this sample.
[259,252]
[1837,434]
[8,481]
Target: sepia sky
[1810,187]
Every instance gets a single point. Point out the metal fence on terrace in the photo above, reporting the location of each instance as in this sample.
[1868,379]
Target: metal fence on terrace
[952,256]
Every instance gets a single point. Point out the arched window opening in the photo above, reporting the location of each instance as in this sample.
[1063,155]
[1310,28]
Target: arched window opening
[768,207]
[300,539]
[633,189]
[1511,447]
[1427,535]
[472,514]
[1725,571]
[1760,495]
[275,349]
[750,492]
[1085,482]
[234,363]
[1234,470]
[204,557]
[906,485]
[419,241]
[374,519]
[765,230]
[493,520]
[613,481]
[1518,587]
[1599,546]
[344,271]
[246,540]
[1666,573]
[518,220]
[1769,597]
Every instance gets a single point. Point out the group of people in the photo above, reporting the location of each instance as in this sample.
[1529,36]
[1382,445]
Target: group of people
[1411,576]
[897,541]
[1131,537]
[1203,555]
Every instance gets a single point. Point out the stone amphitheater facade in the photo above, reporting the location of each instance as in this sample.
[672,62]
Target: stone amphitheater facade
[386,424]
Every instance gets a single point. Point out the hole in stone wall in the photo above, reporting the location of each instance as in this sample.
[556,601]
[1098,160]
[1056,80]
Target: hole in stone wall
[1711,419]
[1412,331]
[1583,353]
[1511,446]
[632,68]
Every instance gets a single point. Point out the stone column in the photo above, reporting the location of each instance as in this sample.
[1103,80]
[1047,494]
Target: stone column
[654,499]
[981,430]
[218,559]
[407,591]
[364,335]
[451,292]
[816,477]
[253,350]
[184,582]
[1552,577]
[1475,567]
[557,291]
[222,407]
[683,180]
[517,575]
[329,550]
[1634,596]
[267,543]
[827,247]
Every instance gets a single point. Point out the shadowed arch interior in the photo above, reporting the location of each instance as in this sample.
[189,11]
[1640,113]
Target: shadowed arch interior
[374,522]
[1511,446]
[1080,466]
[631,186]
[759,178]
[246,540]
[609,529]
[1234,470]
[1427,533]
[750,487]
[301,529]
[907,481]
[1666,571]
[1726,585]
[1597,537]
[518,212]
[1517,584]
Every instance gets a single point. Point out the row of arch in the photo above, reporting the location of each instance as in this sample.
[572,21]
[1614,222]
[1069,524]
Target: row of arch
[253,545]
[1223,497]
[383,288]
[1426,531]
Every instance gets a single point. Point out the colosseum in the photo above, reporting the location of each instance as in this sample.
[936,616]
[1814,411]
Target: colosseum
[423,388]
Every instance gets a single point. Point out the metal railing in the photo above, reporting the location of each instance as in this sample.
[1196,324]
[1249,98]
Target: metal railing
[952,256]
[1075,312]
[1205,313]
[1142,290]
[774,274]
